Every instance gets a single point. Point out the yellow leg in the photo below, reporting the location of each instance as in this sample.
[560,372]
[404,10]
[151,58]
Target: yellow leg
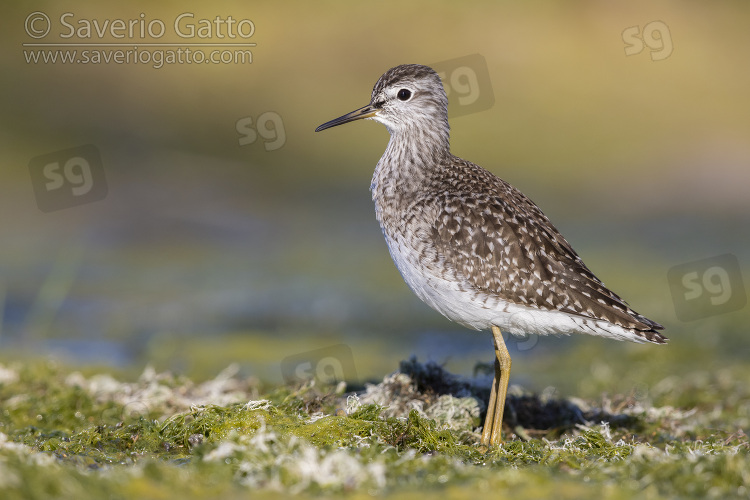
[490,418]
[493,423]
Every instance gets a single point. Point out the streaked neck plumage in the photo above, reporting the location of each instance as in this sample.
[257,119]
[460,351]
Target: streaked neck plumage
[413,153]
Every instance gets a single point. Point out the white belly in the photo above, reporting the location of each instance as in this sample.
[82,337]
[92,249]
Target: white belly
[479,310]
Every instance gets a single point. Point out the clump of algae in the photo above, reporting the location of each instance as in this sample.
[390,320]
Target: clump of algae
[417,429]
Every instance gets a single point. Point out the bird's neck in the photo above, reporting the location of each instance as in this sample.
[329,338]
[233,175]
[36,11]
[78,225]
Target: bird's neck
[412,154]
[423,141]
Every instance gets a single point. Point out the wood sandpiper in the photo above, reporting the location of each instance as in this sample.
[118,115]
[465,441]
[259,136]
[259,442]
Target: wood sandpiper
[472,246]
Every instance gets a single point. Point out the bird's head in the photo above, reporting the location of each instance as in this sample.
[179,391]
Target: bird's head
[410,96]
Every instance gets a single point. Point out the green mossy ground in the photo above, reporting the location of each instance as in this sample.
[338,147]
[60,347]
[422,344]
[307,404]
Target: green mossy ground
[67,435]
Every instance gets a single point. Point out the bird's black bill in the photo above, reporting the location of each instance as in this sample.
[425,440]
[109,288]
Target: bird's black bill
[358,114]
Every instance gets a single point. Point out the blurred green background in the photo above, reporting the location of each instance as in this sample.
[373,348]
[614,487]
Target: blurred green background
[206,251]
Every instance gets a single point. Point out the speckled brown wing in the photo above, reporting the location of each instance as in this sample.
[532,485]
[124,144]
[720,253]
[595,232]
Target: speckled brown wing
[501,243]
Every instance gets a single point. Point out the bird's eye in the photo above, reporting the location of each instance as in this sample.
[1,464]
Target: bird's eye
[404,94]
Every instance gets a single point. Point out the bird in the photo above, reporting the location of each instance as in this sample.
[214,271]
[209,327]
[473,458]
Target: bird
[472,246]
